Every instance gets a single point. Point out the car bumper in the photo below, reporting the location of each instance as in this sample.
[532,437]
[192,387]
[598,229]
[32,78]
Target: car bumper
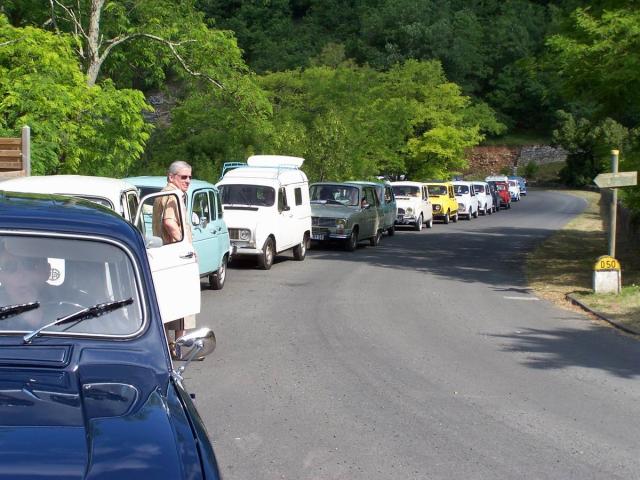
[405,220]
[327,236]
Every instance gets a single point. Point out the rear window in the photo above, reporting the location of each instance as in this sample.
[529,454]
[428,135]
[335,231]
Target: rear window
[406,191]
[253,195]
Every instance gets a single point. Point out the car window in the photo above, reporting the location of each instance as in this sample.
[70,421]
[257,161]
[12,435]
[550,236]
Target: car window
[335,194]
[73,274]
[388,195]
[219,205]
[282,199]
[370,195]
[252,195]
[461,189]
[132,204]
[201,207]
[436,190]
[298,194]
[479,188]
[212,204]
[406,191]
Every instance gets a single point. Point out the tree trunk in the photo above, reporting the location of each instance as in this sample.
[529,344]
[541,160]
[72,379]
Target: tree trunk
[93,42]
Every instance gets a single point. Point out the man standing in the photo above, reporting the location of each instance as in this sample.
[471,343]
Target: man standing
[169,218]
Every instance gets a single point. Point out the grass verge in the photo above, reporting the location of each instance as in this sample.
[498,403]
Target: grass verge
[564,264]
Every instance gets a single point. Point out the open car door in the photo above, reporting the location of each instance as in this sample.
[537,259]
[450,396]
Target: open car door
[174,266]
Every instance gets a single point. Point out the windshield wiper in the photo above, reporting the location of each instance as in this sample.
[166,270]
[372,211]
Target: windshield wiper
[85,313]
[12,310]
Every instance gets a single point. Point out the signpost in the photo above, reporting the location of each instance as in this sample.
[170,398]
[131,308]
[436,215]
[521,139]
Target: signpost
[606,275]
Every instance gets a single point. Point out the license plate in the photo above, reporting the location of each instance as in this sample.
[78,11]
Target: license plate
[316,236]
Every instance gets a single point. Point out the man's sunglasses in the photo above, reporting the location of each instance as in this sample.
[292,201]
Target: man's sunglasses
[184,177]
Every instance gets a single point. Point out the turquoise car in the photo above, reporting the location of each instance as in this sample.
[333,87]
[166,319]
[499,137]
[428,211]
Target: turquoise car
[210,233]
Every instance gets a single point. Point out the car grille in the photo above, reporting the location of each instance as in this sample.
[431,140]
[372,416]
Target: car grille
[234,234]
[323,222]
[319,231]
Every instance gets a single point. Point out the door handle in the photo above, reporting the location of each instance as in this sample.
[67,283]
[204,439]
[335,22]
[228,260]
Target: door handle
[188,255]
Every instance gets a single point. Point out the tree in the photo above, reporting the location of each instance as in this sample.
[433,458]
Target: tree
[76,128]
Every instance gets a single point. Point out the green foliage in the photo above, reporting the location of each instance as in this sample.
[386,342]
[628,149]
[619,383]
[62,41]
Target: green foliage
[588,145]
[598,64]
[530,170]
[75,129]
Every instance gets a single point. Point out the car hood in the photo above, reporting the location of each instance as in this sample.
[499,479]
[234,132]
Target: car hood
[332,211]
[55,425]
[243,217]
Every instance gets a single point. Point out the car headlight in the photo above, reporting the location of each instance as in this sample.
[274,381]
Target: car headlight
[341,223]
[409,211]
[245,234]
[436,208]
[461,206]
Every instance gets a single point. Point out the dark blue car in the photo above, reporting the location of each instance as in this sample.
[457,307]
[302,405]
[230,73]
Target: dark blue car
[87,386]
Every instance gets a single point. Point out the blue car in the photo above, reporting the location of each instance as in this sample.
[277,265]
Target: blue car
[210,234]
[87,385]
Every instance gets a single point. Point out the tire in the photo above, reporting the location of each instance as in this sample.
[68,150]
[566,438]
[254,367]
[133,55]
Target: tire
[418,225]
[352,242]
[455,218]
[375,240]
[508,205]
[300,250]
[488,211]
[475,215]
[268,254]
[391,231]
[216,279]
[469,215]
[430,223]
[446,219]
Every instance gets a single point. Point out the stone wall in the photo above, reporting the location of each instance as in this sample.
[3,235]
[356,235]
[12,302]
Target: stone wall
[494,158]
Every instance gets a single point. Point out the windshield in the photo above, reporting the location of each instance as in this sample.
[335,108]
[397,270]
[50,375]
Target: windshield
[336,194]
[254,195]
[73,274]
[406,191]
[461,189]
[437,190]
[478,188]
[501,186]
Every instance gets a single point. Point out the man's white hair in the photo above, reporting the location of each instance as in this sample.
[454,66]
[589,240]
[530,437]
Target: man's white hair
[177,166]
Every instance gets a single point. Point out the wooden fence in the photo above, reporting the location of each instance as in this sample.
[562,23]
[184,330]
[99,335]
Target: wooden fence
[15,155]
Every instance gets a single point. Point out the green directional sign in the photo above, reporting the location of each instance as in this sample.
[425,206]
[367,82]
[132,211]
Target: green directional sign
[618,179]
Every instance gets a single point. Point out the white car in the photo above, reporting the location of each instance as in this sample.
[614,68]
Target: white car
[414,206]
[468,205]
[267,207]
[112,193]
[514,190]
[174,266]
[485,199]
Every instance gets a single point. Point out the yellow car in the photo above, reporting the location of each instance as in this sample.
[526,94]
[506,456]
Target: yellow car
[443,201]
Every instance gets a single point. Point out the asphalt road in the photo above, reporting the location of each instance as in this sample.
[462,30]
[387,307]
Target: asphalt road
[424,358]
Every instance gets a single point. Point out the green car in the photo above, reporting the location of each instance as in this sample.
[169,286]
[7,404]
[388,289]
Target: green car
[346,212]
[388,207]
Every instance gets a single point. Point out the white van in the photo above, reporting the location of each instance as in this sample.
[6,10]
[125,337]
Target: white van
[267,208]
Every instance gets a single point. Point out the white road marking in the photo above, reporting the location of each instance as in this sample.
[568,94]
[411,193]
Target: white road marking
[522,298]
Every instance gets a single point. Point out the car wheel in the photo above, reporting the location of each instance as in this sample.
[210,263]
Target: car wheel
[216,279]
[300,251]
[268,253]
[375,240]
[508,205]
[455,218]
[488,211]
[446,218]
[430,223]
[352,241]
[469,215]
[391,231]
[418,225]
[475,215]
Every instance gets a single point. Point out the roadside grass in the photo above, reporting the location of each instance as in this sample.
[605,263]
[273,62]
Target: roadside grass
[564,264]
[548,173]
[516,139]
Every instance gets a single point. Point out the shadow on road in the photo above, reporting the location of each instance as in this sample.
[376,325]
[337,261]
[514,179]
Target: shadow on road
[492,255]
[566,347]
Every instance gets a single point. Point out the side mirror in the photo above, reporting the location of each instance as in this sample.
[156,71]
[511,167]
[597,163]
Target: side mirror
[153,242]
[195,220]
[198,343]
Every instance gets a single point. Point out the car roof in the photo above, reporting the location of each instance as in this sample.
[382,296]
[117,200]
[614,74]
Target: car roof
[369,183]
[61,214]
[264,175]
[159,181]
[348,184]
[408,183]
[110,188]
[461,182]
